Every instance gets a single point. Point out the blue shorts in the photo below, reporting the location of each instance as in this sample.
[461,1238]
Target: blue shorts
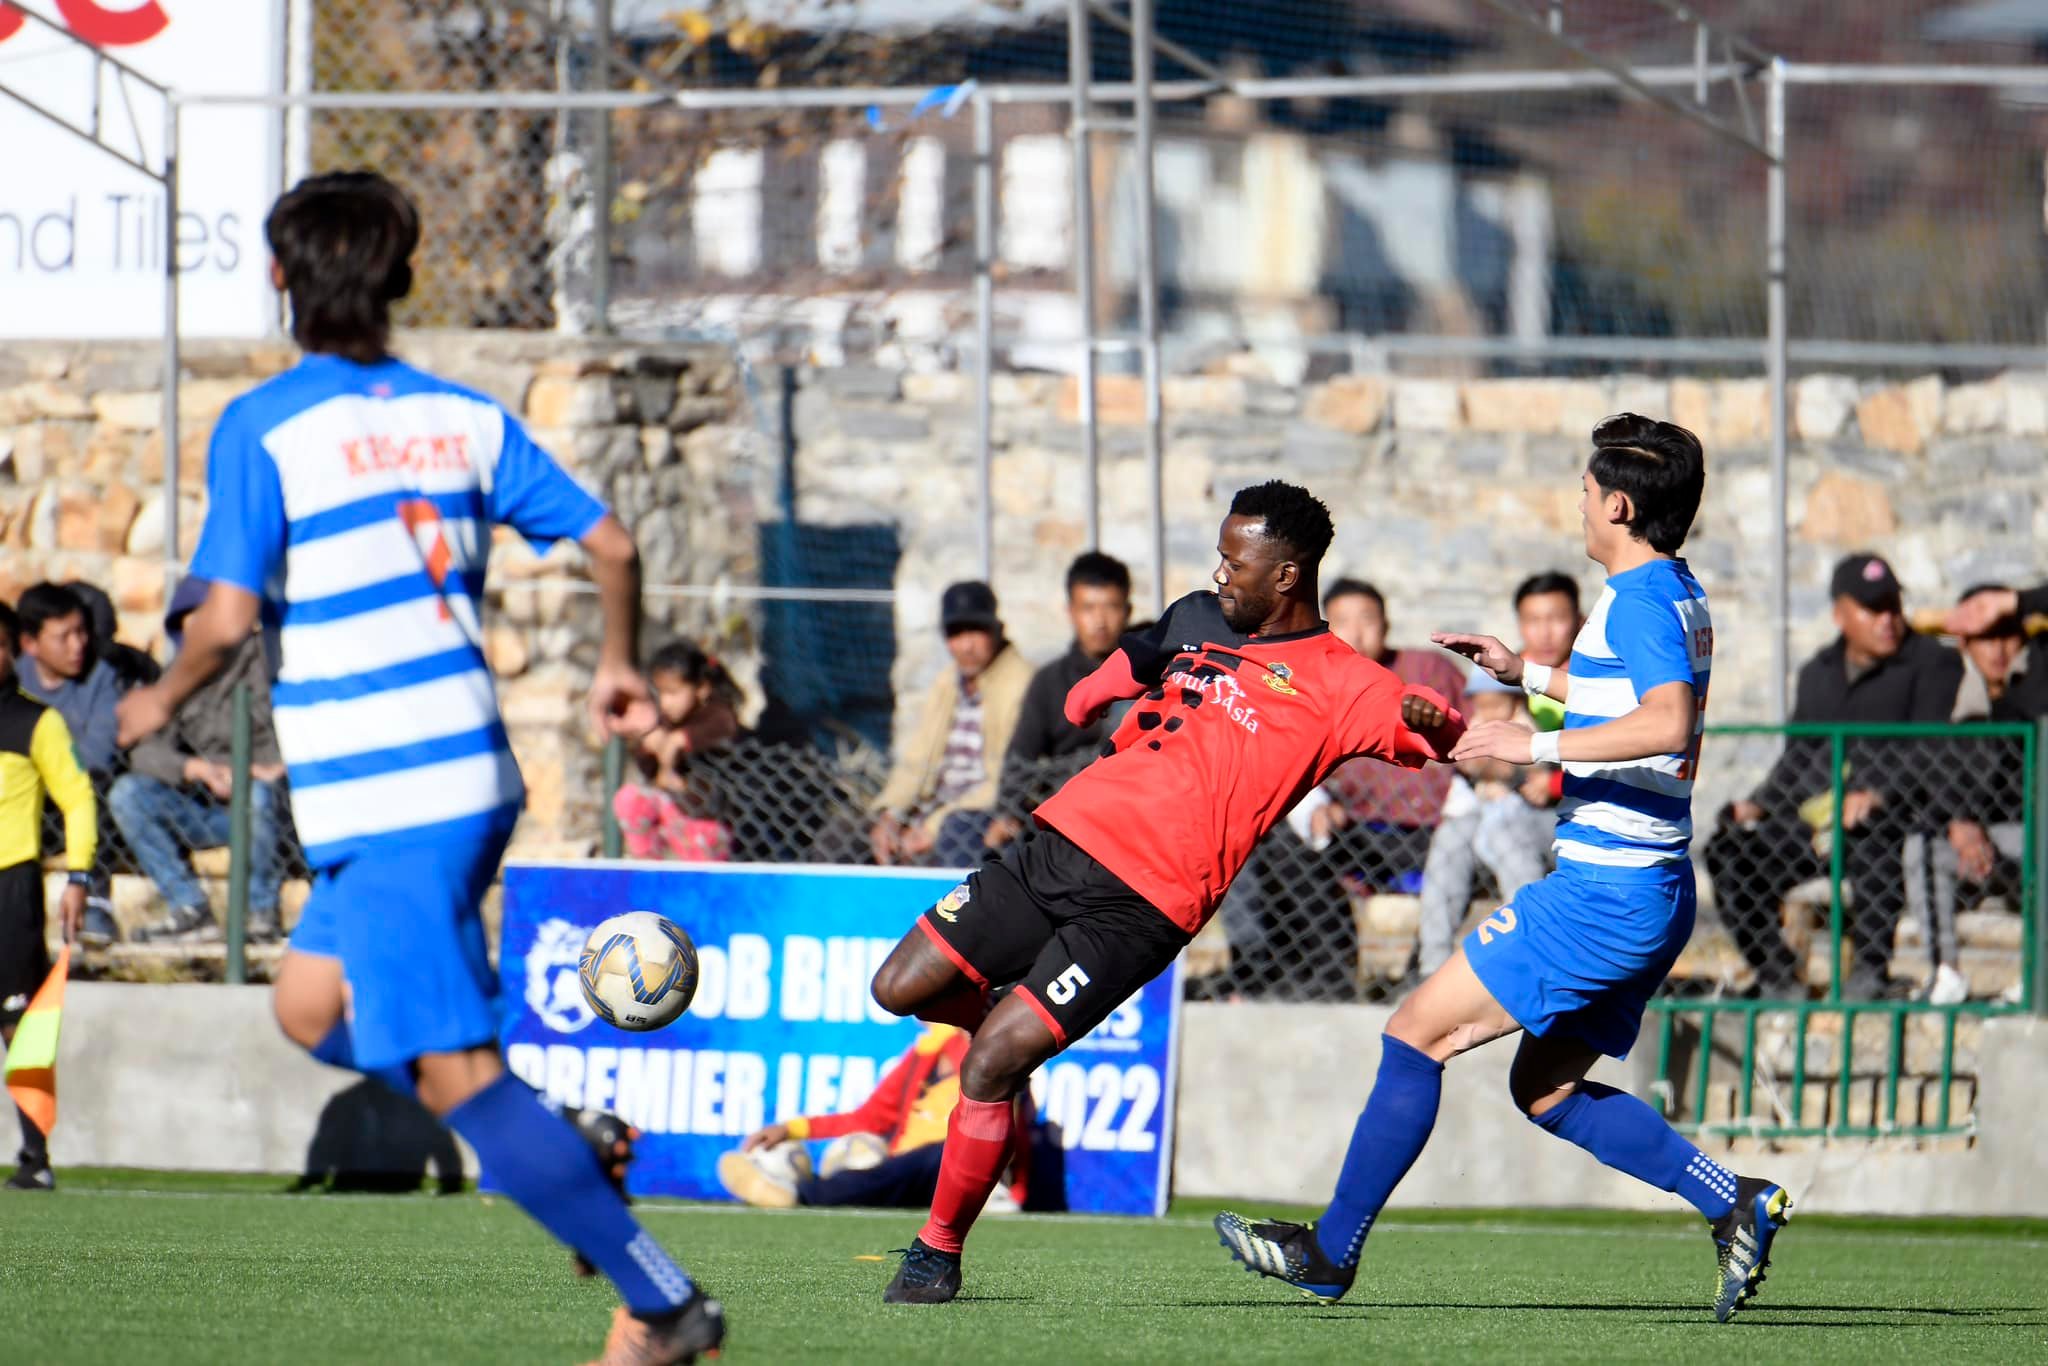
[407,924]
[1580,954]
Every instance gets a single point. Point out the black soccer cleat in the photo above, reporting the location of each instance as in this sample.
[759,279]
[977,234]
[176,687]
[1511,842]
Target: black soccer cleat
[611,1139]
[926,1276]
[696,1330]
[33,1174]
[1286,1252]
[1742,1242]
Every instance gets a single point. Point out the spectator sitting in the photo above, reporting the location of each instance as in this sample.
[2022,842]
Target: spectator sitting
[940,794]
[176,792]
[669,814]
[132,667]
[2005,679]
[904,1117]
[1875,671]
[58,668]
[1099,607]
[1383,816]
[1495,814]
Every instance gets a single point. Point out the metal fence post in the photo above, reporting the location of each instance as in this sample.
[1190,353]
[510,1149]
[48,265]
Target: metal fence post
[614,774]
[238,843]
[1837,782]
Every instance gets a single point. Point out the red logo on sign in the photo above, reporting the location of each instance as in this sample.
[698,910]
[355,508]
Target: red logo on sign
[98,25]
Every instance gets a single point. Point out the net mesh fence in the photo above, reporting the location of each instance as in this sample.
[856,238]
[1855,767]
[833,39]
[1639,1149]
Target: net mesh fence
[1374,880]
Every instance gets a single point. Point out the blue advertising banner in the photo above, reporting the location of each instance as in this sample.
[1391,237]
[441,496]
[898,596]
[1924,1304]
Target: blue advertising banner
[783,1024]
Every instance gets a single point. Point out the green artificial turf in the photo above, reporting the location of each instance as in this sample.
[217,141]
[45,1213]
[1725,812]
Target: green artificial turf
[123,1266]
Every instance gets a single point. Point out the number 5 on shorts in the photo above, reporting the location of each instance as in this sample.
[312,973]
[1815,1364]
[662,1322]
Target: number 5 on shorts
[1062,988]
[1501,920]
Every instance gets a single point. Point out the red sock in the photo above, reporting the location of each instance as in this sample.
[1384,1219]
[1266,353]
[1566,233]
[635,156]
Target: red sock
[966,1005]
[977,1147]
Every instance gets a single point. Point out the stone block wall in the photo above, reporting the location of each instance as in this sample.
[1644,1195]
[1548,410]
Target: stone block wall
[1446,493]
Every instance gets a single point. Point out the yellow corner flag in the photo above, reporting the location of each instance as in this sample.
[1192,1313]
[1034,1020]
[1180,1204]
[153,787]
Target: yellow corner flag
[32,1057]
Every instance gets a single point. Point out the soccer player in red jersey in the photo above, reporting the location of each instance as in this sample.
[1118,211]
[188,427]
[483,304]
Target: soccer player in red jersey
[1246,702]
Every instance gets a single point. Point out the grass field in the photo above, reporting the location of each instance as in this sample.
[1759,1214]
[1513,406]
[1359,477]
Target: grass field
[165,1268]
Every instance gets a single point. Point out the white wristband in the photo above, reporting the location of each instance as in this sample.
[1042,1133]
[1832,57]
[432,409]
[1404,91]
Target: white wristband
[1536,679]
[1543,746]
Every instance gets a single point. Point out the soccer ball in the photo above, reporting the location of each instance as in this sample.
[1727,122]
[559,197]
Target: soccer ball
[638,971]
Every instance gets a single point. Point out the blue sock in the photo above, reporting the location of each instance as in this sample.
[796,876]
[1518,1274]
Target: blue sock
[338,1049]
[1395,1124]
[537,1158]
[1629,1136]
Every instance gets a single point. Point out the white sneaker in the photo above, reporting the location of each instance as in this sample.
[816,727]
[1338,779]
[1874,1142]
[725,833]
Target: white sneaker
[1948,988]
[761,1178]
[1000,1201]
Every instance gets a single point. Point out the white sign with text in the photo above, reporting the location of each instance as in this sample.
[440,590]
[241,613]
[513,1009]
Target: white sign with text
[82,236]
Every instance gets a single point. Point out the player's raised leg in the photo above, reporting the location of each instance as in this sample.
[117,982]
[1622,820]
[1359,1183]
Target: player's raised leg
[926,977]
[1450,1013]
[1744,1212]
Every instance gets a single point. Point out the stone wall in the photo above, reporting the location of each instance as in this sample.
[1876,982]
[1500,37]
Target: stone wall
[664,432]
[1446,493]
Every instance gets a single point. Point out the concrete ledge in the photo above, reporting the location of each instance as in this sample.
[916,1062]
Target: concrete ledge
[1268,1095]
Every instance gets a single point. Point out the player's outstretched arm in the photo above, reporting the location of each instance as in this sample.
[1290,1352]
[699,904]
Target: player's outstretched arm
[1662,724]
[1504,664]
[620,703]
[212,632]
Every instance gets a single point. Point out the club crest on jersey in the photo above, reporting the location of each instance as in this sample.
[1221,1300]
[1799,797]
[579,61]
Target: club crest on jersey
[951,903]
[1277,678]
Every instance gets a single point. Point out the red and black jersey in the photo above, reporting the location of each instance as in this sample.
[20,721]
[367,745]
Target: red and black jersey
[1231,731]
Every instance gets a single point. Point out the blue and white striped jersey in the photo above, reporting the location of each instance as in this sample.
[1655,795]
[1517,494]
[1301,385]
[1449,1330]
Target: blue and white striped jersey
[357,501]
[1650,627]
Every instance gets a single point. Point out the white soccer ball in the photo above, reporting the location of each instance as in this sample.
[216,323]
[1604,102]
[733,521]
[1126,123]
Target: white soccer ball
[638,971]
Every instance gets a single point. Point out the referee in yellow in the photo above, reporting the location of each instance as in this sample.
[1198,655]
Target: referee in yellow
[36,757]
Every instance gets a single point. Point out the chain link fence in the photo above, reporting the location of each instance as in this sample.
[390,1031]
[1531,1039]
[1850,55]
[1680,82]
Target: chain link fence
[1368,885]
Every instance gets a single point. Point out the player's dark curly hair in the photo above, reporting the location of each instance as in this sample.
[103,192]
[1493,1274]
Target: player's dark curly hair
[344,241]
[1661,468]
[1292,515]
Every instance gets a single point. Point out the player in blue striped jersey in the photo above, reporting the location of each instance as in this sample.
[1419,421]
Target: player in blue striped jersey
[350,503]
[1572,961]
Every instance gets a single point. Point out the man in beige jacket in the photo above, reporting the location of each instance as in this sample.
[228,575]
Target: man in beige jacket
[941,793]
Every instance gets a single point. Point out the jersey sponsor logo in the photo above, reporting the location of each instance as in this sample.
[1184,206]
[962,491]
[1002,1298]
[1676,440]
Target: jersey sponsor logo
[1221,690]
[381,453]
[552,991]
[952,903]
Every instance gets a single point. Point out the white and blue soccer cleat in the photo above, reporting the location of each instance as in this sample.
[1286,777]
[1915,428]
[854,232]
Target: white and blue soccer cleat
[1742,1242]
[1286,1252]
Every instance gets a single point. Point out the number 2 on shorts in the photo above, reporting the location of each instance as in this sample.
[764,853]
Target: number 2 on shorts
[1501,920]
[1062,988]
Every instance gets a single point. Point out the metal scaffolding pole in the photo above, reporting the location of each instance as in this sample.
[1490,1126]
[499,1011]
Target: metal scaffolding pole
[601,177]
[1775,367]
[1081,73]
[984,326]
[1143,114]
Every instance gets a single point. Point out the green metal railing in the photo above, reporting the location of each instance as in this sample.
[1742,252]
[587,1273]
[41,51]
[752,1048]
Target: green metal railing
[1787,1112]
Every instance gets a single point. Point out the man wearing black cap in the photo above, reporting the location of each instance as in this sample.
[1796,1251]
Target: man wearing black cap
[175,794]
[1876,670]
[942,790]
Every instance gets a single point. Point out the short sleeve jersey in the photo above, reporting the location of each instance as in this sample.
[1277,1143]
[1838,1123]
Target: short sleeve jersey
[1233,732]
[357,501]
[1649,628]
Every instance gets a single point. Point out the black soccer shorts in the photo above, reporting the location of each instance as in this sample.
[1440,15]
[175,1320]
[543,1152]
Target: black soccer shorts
[1072,936]
[24,956]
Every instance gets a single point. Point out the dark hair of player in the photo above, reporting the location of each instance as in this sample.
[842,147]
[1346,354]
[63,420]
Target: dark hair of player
[10,631]
[44,603]
[693,665]
[1349,587]
[1292,515]
[1550,581]
[344,241]
[1093,569]
[1659,467]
